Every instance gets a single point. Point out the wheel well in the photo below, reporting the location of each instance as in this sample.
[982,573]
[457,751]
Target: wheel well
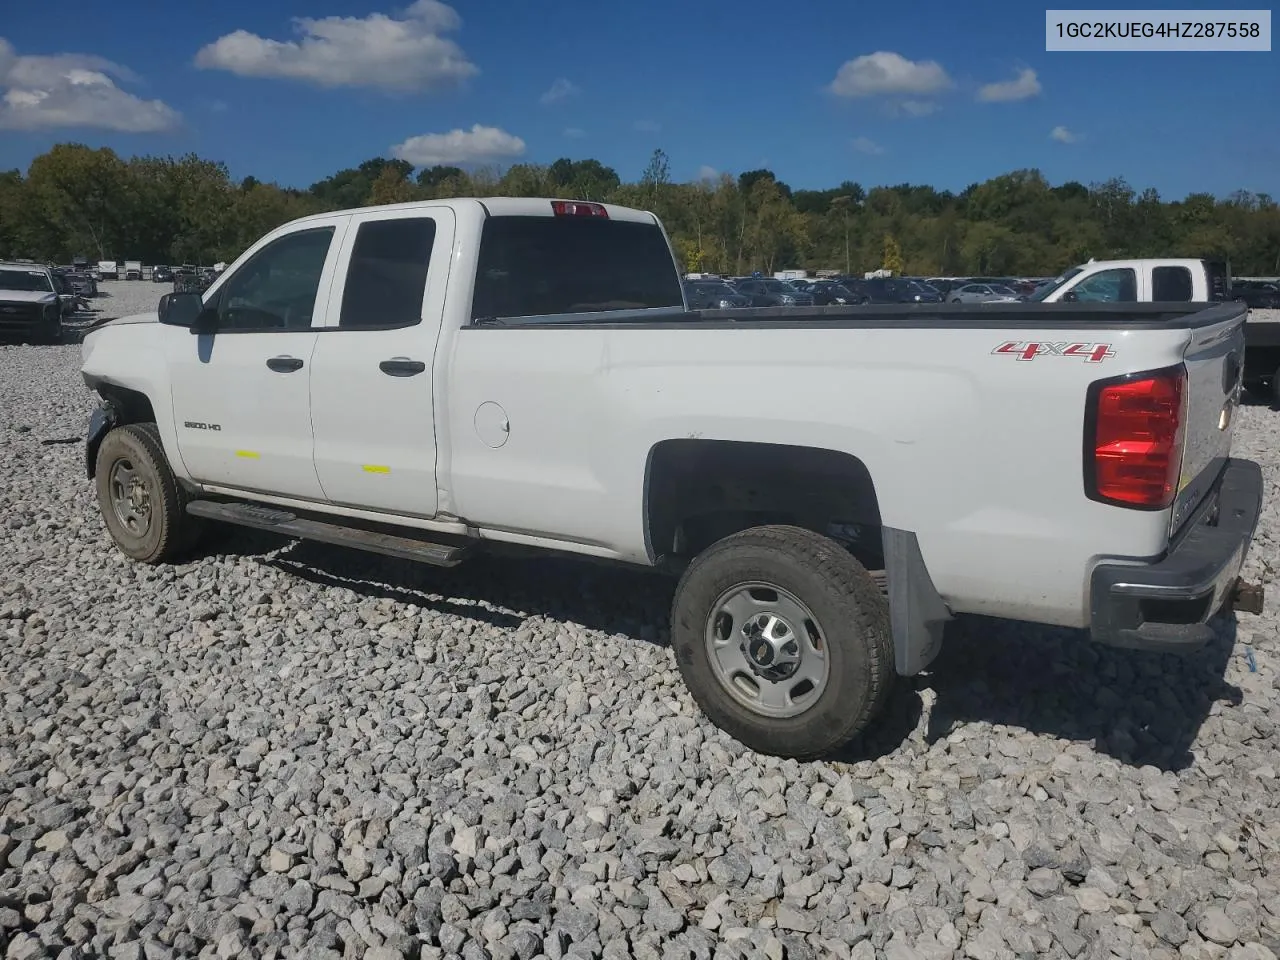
[699,491]
[128,406]
[124,406]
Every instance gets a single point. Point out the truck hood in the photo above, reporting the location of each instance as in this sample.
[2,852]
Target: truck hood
[27,296]
[135,318]
[121,322]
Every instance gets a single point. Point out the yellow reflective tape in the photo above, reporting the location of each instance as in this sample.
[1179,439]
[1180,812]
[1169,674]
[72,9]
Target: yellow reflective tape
[248,454]
[376,468]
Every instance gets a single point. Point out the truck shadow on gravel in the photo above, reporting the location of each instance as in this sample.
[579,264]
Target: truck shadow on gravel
[1140,708]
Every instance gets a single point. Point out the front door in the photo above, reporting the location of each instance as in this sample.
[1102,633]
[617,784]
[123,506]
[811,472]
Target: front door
[372,379]
[241,395]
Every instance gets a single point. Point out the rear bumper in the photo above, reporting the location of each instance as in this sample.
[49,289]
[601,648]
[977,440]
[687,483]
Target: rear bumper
[1166,605]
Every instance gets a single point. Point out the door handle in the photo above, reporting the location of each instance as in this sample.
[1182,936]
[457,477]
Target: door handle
[284,364]
[400,367]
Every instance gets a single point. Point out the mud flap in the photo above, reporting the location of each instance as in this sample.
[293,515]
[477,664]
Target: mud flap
[101,421]
[917,615]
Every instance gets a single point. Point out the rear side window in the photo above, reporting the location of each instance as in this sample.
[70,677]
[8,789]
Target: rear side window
[1171,284]
[540,266]
[387,275]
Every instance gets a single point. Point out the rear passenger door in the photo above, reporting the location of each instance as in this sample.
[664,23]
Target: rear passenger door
[372,377]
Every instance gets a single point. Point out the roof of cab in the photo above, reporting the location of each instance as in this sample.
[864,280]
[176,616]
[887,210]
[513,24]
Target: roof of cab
[492,206]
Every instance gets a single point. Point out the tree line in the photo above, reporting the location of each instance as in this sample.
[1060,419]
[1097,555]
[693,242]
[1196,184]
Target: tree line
[76,200]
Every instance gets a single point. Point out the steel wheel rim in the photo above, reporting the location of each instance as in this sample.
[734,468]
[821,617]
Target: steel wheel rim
[130,497]
[767,649]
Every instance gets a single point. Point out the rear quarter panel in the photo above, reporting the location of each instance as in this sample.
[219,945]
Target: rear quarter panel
[977,452]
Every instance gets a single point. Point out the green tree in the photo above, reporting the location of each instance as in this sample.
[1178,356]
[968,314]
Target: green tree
[892,258]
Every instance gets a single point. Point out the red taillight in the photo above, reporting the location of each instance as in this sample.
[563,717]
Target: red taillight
[1136,442]
[578,208]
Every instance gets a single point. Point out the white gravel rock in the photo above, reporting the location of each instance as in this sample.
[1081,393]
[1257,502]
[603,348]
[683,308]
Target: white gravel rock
[287,750]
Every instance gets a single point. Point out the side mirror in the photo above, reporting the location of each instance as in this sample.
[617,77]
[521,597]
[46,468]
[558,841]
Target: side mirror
[187,310]
[180,309]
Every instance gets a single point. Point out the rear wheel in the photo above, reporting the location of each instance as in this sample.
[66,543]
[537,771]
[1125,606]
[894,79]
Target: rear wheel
[783,639]
[142,504]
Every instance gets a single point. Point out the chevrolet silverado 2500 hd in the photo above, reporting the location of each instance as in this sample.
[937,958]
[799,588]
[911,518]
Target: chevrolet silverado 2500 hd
[1141,281]
[426,379]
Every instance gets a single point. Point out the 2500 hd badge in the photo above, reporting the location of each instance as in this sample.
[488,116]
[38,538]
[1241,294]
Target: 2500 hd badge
[193,425]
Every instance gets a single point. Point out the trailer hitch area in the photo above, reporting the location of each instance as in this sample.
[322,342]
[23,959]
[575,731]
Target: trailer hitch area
[1246,597]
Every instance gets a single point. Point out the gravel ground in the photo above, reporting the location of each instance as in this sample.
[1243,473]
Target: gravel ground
[288,750]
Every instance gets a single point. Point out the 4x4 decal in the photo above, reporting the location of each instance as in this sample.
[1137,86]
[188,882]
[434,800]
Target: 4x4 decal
[1029,350]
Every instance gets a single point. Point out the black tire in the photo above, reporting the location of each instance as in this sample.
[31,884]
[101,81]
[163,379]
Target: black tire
[168,531]
[852,620]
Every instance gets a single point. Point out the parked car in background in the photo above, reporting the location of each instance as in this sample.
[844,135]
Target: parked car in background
[898,290]
[828,292]
[29,304]
[161,274]
[767,292]
[133,269]
[944,285]
[713,295]
[81,281]
[68,300]
[983,293]
[1257,294]
[188,281]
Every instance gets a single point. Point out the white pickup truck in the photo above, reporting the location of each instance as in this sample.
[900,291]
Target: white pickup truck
[1175,281]
[1141,281]
[424,380]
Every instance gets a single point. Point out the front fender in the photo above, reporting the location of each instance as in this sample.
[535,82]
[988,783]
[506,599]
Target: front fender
[101,422]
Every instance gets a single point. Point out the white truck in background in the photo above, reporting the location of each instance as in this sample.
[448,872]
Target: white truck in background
[109,269]
[1173,281]
[1141,281]
[133,269]
[430,379]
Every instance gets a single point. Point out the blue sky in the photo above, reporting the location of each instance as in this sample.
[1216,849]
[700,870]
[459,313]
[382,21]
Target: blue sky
[819,92]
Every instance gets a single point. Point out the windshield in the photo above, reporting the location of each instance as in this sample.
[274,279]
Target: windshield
[1056,284]
[1003,291]
[26,280]
[778,286]
[916,287]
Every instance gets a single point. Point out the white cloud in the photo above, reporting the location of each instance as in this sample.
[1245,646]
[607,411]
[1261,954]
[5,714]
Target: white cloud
[561,89]
[708,173]
[918,108]
[647,126]
[574,133]
[1062,135]
[477,145]
[74,90]
[887,74]
[1024,86]
[401,54]
[867,145]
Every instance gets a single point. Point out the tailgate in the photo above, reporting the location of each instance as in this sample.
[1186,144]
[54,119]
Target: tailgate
[1214,358]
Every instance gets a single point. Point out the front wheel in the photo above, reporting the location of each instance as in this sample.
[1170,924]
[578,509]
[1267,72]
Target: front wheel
[142,504]
[783,639]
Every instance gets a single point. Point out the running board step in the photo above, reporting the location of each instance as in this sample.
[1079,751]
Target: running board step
[291,525]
